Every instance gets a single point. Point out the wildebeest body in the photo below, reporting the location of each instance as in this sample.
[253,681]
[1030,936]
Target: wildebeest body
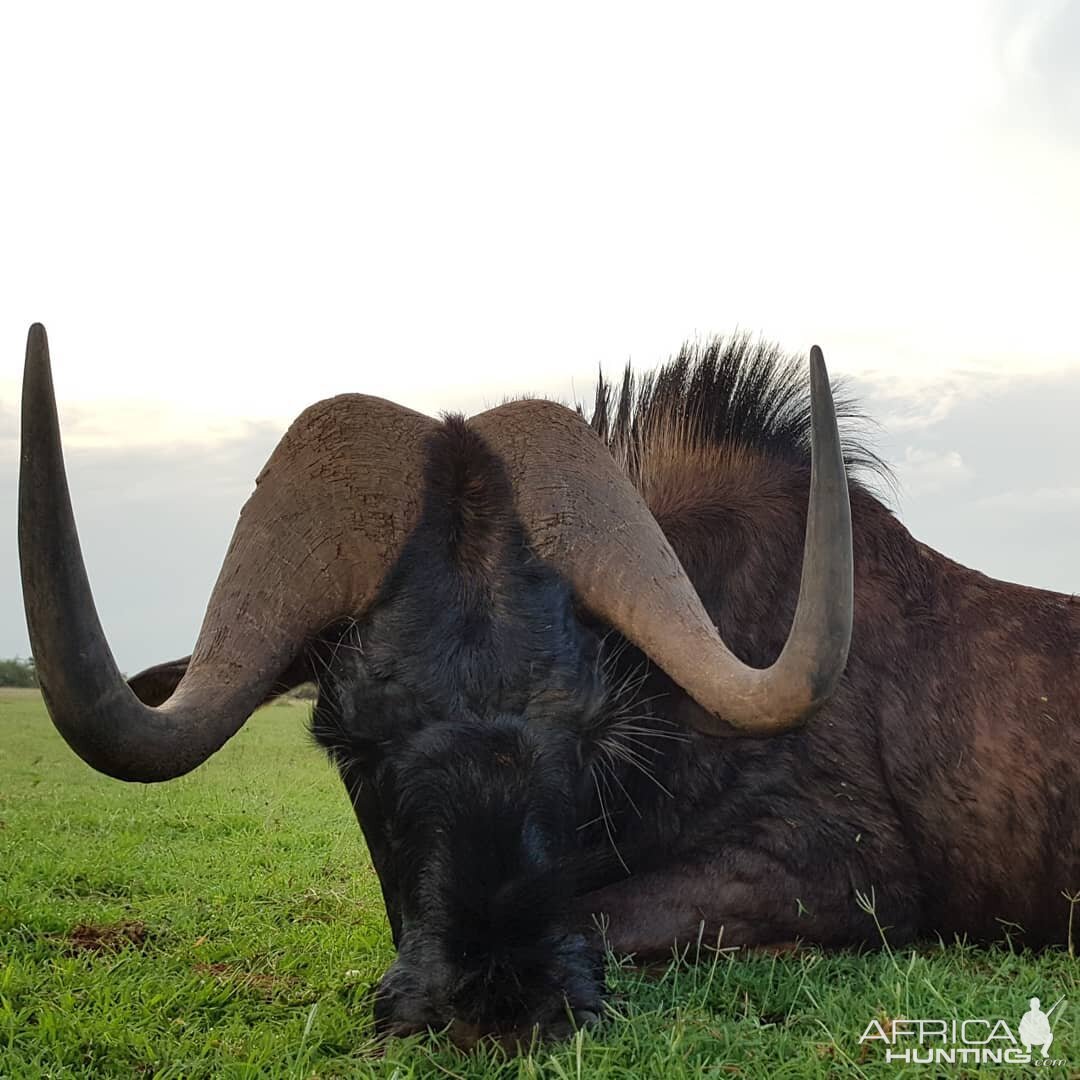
[943,776]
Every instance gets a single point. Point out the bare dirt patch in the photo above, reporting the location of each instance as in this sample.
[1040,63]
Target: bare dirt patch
[106,939]
[267,984]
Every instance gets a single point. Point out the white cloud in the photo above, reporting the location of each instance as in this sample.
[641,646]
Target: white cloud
[928,472]
[915,401]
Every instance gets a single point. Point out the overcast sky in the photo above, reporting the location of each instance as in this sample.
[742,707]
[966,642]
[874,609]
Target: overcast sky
[225,212]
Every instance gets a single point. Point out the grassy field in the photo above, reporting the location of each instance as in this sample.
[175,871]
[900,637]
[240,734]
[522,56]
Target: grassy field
[229,924]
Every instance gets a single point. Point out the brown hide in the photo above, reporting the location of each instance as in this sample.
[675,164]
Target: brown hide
[956,726]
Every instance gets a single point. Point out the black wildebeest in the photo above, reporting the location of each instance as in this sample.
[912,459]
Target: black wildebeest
[542,649]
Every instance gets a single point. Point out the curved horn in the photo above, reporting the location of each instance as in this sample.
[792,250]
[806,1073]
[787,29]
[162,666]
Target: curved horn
[584,515]
[329,514]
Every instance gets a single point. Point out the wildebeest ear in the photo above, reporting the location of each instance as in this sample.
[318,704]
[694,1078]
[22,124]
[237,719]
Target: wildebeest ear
[156,684]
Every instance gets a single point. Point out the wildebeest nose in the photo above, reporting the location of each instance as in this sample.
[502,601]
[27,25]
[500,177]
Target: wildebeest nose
[512,1007]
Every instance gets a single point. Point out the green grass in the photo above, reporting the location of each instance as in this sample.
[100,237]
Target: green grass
[229,924]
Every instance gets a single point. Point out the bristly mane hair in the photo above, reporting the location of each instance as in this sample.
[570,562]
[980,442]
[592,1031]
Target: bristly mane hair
[728,392]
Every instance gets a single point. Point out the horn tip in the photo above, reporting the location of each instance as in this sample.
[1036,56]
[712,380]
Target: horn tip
[819,374]
[37,343]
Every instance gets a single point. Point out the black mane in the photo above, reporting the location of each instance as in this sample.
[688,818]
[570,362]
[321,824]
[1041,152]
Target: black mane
[729,391]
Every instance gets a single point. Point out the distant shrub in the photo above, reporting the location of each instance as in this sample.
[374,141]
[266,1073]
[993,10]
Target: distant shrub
[17,672]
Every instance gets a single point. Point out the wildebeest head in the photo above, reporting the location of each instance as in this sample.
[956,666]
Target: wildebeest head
[448,585]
